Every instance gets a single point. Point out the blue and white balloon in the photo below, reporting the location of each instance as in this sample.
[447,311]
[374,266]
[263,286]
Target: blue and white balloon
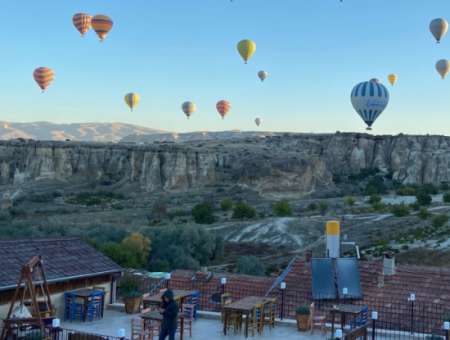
[369,99]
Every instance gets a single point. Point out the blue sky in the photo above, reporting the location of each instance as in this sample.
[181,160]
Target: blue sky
[171,51]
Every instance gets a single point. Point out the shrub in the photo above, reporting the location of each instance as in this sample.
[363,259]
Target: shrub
[203,213]
[423,198]
[323,207]
[17,211]
[378,183]
[304,309]
[158,266]
[415,206]
[180,212]
[160,208]
[407,191]
[282,209]
[445,186]
[35,335]
[350,201]
[337,178]
[170,215]
[405,247]
[446,197]
[374,199]
[243,210]
[44,198]
[250,265]
[400,210]
[377,206]
[129,284]
[424,214]
[439,221]
[312,206]
[226,204]
[430,189]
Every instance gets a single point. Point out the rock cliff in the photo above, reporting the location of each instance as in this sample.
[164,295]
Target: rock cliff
[276,165]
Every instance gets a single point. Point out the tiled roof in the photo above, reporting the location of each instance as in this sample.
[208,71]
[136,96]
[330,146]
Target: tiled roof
[64,258]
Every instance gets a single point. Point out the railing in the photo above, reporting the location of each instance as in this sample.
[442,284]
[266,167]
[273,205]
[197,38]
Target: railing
[358,333]
[145,284]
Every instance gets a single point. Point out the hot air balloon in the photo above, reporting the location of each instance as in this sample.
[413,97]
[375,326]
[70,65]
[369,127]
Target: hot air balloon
[43,77]
[246,48]
[392,78]
[438,28]
[262,75]
[132,99]
[443,66]
[369,99]
[258,121]
[188,108]
[376,80]
[82,22]
[5,126]
[223,107]
[101,24]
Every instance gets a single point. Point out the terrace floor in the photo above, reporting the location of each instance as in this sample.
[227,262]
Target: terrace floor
[204,328]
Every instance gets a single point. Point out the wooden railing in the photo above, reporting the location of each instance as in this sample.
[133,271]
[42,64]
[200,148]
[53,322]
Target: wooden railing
[360,332]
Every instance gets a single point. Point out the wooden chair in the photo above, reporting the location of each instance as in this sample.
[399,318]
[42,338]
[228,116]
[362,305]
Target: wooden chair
[188,311]
[194,301]
[177,299]
[142,300]
[269,314]
[256,320]
[99,288]
[316,320]
[138,331]
[223,304]
[361,321]
[234,320]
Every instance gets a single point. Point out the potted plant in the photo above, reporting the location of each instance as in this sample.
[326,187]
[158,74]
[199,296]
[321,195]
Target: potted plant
[131,294]
[35,335]
[302,316]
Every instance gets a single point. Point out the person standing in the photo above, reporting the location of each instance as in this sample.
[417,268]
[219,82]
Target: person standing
[169,312]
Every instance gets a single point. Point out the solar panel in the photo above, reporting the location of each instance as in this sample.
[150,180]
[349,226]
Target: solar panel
[322,277]
[348,277]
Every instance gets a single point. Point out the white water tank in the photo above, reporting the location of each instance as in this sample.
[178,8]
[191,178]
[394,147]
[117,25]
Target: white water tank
[333,241]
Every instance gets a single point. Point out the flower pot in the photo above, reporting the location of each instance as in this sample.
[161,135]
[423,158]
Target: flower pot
[302,321]
[132,305]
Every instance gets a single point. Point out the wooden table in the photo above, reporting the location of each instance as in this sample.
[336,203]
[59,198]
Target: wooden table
[244,306]
[157,316]
[85,294]
[157,299]
[344,309]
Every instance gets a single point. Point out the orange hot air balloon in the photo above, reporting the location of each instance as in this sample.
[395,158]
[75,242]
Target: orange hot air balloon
[43,77]
[82,22]
[101,24]
[223,107]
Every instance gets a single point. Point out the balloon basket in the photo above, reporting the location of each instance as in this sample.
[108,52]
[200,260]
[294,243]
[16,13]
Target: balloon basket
[369,129]
[101,40]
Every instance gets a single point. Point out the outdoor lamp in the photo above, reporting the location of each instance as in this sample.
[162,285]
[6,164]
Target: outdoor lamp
[283,285]
[121,333]
[338,334]
[56,323]
[344,291]
[223,280]
[446,325]
[412,297]
[374,315]
[168,276]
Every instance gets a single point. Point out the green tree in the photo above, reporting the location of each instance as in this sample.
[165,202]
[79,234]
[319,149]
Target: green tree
[415,206]
[282,209]
[141,244]
[203,213]
[323,207]
[407,191]
[350,201]
[243,210]
[400,210]
[424,213]
[376,182]
[375,198]
[250,265]
[423,198]
[226,204]
[160,208]
[445,186]
[446,197]
[439,221]
[158,266]
[170,215]
[125,255]
[312,206]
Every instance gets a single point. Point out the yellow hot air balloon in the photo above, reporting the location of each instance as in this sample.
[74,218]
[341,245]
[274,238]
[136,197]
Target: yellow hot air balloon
[101,24]
[443,66]
[5,126]
[188,108]
[246,48]
[132,99]
[82,22]
[223,107]
[392,78]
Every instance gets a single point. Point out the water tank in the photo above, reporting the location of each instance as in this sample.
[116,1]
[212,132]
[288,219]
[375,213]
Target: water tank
[333,242]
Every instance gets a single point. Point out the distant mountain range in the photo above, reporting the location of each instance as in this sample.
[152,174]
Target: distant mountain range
[100,132]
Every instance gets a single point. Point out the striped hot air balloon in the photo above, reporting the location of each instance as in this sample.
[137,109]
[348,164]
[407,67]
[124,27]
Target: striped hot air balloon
[188,108]
[43,77]
[223,107]
[101,24]
[132,99]
[369,99]
[82,22]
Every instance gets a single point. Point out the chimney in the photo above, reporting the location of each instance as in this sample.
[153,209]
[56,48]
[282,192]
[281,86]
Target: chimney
[204,270]
[308,255]
[380,278]
[388,263]
[333,239]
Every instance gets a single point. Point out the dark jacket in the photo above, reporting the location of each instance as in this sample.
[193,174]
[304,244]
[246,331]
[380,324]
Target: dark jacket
[170,311]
